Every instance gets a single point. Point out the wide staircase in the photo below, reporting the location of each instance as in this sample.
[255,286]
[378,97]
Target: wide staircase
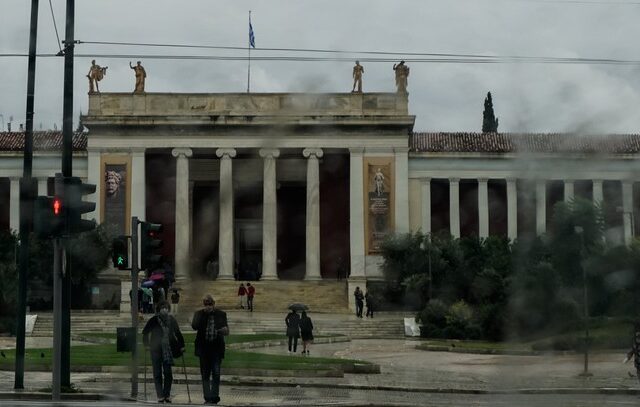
[384,325]
[271,296]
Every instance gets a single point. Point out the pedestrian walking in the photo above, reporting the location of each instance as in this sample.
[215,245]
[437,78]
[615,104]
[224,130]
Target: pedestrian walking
[306,333]
[369,303]
[175,300]
[251,292]
[293,330]
[359,297]
[162,338]
[242,294]
[635,349]
[211,326]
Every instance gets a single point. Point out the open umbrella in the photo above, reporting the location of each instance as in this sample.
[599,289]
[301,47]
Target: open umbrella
[298,307]
[147,284]
[157,276]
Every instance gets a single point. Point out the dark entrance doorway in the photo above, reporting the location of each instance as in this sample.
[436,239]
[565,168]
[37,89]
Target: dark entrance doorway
[205,226]
[292,204]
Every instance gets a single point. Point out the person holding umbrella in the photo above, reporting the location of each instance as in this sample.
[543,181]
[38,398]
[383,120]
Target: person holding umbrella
[306,332]
[162,337]
[293,326]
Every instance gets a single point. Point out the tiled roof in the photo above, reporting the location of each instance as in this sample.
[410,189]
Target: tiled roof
[50,140]
[527,142]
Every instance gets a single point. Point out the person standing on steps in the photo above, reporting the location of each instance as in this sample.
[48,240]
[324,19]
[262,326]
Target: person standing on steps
[251,292]
[211,326]
[293,330]
[175,300]
[369,303]
[359,298]
[306,333]
[242,294]
[162,338]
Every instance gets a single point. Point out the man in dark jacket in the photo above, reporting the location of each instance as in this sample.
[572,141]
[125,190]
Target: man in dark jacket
[211,326]
[293,329]
[162,337]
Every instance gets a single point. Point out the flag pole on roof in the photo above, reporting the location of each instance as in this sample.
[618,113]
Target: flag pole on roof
[252,44]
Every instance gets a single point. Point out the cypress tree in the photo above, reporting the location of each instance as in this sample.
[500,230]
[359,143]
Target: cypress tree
[489,120]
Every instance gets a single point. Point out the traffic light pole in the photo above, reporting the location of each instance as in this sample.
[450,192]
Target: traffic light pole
[57,319]
[26,203]
[134,305]
[67,141]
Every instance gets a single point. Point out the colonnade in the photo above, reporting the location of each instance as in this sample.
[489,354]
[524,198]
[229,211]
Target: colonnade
[512,205]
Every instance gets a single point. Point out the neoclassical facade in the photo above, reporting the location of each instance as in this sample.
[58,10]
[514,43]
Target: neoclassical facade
[286,186]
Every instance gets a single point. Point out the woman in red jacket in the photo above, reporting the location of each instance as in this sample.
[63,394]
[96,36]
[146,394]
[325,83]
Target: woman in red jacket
[242,293]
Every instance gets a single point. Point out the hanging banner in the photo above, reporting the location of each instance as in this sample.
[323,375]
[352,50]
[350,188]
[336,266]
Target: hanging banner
[116,192]
[379,201]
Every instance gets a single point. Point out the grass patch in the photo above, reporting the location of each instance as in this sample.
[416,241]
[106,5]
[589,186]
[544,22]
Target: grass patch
[191,337]
[106,355]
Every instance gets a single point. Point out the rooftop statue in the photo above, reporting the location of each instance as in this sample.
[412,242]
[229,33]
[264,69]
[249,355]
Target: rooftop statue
[402,73]
[95,75]
[141,75]
[358,70]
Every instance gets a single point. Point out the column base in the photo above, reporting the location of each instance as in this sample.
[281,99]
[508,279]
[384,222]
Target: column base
[313,278]
[269,278]
[225,278]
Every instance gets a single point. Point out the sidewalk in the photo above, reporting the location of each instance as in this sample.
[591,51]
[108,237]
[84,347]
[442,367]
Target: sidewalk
[404,368]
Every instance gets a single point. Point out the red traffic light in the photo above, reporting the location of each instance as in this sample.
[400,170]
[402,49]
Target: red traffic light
[57,206]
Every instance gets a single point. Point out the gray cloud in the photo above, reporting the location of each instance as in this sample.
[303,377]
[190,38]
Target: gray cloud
[444,97]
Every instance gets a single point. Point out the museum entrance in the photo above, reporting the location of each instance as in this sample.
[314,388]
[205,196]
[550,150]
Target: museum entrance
[292,204]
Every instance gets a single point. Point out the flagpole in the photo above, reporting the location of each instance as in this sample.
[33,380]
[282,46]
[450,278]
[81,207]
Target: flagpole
[249,51]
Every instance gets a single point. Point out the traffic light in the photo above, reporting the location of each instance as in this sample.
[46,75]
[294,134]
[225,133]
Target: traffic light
[47,217]
[149,243]
[120,252]
[75,189]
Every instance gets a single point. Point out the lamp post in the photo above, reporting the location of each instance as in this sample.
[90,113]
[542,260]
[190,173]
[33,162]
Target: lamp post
[580,232]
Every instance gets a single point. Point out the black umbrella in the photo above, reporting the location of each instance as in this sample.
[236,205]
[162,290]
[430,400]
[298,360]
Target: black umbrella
[298,307]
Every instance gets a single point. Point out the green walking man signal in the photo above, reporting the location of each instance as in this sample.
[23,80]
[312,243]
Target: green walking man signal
[120,252]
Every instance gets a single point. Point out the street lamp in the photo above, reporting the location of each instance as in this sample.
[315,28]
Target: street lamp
[580,232]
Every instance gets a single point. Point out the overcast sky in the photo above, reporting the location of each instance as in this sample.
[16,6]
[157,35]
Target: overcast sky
[443,97]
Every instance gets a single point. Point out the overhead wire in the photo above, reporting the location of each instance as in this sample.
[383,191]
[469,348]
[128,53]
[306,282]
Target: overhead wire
[55,26]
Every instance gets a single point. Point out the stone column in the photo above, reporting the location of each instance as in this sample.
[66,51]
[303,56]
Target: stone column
[541,207]
[454,207]
[627,210]
[598,195]
[14,204]
[568,190]
[512,209]
[269,215]
[182,212]
[483,207]
[426,205]
[356,212]
[138,185]
[43,186]
[402,190]
[225,245]
[95,177]
[313,213]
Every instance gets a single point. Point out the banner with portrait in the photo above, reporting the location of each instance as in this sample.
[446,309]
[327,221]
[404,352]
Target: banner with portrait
[116,191]
[379,196]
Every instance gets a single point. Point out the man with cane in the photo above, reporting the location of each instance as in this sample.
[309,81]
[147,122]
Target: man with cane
[211,326]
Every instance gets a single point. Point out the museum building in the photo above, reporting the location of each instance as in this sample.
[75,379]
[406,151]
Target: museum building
[297,187]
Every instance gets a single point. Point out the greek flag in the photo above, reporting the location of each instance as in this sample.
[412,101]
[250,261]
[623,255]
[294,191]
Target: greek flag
[252,38]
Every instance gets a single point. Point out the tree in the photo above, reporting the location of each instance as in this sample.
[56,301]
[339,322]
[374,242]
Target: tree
[489,120]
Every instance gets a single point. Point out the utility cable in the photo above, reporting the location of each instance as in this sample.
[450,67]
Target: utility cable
[55,26]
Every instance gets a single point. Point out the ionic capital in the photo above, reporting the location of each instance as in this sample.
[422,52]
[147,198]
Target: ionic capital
[226,152]
[316,152]
[269,153]
[182,152]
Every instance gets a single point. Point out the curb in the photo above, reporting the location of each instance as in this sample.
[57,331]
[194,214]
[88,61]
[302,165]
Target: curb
[533,391]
